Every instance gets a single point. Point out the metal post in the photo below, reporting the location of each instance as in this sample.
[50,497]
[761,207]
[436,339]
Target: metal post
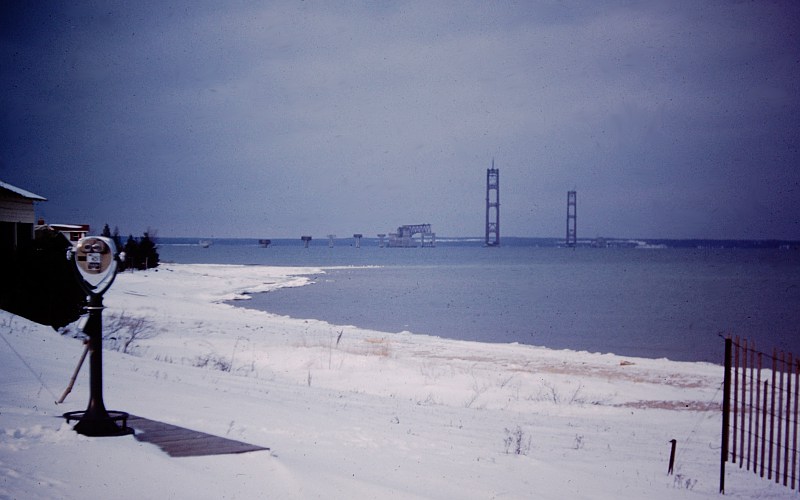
[753,390]
[735,402]
[726,408]
[672,456]
[96,421]
[764,427]
[779,410]
[772,414]
[796,368]
[758,433]
[787,367]
[743,410]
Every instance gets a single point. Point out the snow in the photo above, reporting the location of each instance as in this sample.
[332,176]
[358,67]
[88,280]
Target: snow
[349,413]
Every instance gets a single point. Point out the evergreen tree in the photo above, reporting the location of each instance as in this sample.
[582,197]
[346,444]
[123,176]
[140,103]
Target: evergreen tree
[147,253]
[117,239]
[140,253]
[131,253]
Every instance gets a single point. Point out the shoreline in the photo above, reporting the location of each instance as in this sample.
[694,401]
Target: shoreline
[250,300]
[423,416]
[230,286]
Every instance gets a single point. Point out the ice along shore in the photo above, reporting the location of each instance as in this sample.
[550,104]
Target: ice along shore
[350,413]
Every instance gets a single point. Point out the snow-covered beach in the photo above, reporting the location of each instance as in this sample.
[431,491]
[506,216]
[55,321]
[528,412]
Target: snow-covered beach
[349,413]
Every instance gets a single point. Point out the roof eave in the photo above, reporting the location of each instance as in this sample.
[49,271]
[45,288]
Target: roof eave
[21,192]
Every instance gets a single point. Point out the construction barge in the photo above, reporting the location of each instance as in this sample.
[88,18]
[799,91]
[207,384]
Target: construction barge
[404,237]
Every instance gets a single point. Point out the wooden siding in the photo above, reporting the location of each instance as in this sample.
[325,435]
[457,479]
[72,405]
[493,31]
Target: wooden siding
[16,209]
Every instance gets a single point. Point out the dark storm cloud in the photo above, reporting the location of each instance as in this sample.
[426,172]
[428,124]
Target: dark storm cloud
[671,119]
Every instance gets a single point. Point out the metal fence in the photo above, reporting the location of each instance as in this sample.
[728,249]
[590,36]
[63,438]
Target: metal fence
[760,413]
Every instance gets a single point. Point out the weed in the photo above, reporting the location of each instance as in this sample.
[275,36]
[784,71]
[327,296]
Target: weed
[550,392]
[164,359]
[574,398]
[432,371]
[429,401]
[516,442]
[554,394]
[212,361]
[477,391]
[681,481]
[505,381]
[121,330]
[331,346]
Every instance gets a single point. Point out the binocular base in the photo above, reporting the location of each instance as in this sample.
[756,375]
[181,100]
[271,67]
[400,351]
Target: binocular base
[90,424]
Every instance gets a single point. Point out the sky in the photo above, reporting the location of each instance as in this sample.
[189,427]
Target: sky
[278,119]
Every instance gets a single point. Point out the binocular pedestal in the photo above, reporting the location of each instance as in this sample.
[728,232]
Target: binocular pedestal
[96,420]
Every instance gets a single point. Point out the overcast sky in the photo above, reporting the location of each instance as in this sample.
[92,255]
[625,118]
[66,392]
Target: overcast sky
[670,119]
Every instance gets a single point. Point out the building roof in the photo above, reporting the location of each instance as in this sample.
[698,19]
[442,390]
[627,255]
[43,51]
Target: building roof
[21,192]
[70,227]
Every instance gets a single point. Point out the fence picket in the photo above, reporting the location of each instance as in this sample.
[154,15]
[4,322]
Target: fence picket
[794,440]
[750,409]
[758,414]
[787,361]
[735,406]
[772,415]
[765,410]
[764,428]
[780,420]
[744,403]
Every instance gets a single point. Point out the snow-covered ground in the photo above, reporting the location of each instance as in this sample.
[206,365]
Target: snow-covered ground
[348,413]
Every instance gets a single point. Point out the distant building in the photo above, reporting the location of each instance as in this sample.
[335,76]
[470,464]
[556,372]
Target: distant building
[17,216]
[72,232]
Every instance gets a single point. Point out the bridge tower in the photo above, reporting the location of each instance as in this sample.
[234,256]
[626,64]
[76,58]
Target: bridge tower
[572,232]
[492,206]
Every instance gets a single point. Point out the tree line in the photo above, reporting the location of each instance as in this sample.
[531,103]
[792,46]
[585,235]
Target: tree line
[38,282]
[140,253]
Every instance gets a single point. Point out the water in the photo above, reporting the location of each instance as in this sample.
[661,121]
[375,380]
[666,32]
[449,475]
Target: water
[669,303]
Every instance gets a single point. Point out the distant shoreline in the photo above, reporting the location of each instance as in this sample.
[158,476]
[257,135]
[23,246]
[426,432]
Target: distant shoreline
[517,241]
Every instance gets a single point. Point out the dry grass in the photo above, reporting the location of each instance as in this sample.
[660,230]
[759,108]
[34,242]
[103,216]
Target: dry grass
[377,347]
[371,346]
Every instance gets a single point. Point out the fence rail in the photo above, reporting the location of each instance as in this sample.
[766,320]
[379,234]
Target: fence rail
[760,413]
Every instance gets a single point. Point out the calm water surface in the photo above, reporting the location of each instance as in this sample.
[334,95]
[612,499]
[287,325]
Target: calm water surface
[670,303]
